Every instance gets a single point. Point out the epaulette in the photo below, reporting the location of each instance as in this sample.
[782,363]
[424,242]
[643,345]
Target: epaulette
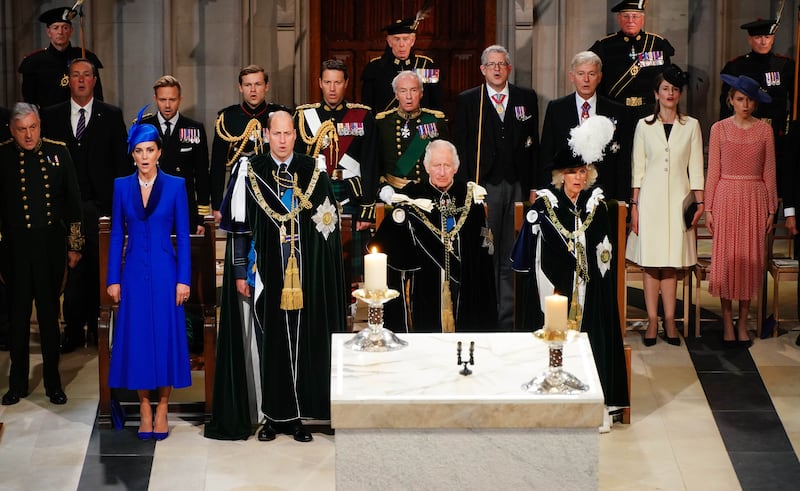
[438,114]
[356,105]
[145,115]
[313,105]
[57,142]
[6,142]
[376,58]
[609,36]
[385,113]
[653,34]
[425,58]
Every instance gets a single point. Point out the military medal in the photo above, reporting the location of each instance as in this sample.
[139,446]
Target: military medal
[633,54]
[773,78]
[65,80]
[404,131]
[635,70]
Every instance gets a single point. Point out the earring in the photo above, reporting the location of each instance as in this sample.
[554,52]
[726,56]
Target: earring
[562,180]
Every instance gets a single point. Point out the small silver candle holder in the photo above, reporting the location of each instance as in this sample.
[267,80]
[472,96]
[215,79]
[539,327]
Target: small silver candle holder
[375,337]
[555,380]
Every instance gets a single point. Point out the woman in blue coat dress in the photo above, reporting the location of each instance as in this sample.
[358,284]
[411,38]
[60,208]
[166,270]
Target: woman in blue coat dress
[151,282]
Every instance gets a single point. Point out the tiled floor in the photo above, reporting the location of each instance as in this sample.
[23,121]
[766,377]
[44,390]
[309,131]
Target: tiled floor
[673,442]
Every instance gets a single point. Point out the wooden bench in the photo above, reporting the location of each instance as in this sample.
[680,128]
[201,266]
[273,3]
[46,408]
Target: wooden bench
[203,299]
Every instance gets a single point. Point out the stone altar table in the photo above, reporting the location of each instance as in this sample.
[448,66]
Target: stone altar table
[408,420]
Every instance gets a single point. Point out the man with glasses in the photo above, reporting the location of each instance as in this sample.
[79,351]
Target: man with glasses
[497,136]
[631,59]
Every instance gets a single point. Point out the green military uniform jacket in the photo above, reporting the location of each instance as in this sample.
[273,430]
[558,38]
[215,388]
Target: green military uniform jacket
[402,138]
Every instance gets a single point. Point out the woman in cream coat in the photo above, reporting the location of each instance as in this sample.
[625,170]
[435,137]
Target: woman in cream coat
[667,165]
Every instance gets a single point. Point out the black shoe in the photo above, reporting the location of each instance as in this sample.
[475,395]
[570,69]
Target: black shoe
[300,433]
[266,433]
[12,397]
[747,343]
[797,341]
[57,397]
[676,341]
[730,343]
[649,341]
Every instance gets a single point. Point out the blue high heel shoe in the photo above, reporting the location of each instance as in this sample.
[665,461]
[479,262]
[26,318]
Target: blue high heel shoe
[160,436]
[144,435]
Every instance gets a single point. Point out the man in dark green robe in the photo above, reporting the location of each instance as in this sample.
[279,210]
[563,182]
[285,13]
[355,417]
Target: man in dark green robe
[278,217]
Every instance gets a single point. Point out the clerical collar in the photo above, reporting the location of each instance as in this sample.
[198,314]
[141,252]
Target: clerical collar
[254,112]
[339,107]
[406,115]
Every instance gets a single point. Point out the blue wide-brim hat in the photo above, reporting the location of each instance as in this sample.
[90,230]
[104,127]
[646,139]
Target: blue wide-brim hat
[748,87]
[141,132]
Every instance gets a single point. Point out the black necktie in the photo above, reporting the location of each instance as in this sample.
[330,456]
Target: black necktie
[166,130]
[284,178]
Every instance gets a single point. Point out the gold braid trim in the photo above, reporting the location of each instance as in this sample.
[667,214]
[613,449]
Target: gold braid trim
[464,210]
[305,203]
[253,128]
[575,317]
[315,142]
[75,239]
[292,292]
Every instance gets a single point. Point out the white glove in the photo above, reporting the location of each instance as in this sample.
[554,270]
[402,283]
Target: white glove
[386,194]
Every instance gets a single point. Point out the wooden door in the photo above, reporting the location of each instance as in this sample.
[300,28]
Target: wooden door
[454,35]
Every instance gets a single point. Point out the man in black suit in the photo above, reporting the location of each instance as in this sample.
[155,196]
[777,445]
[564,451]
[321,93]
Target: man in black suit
[586,72]
[96,138]
[184,151]
[497,136]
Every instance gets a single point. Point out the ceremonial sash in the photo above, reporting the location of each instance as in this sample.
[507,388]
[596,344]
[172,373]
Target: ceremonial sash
[415,149]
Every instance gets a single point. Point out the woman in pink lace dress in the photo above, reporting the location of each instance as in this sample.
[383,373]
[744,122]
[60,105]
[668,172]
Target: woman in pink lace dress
[741,199]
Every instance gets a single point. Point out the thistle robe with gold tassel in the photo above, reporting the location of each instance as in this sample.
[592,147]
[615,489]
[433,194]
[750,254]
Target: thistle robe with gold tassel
[424,273]
[294,347]
[565,248]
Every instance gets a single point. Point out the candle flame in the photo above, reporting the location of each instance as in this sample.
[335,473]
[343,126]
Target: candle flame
[374,250]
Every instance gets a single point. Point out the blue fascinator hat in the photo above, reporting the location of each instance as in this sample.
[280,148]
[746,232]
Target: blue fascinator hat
[141,132]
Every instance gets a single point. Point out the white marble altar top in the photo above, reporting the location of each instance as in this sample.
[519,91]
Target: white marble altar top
[420,385]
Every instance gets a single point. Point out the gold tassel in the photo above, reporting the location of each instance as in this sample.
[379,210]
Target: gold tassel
[448,322]
[292,294]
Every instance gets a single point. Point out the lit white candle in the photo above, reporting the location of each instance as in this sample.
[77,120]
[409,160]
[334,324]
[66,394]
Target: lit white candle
[375,271]
[555,313]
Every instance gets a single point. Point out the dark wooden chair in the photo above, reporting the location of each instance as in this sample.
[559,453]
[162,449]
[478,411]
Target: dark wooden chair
[203,299]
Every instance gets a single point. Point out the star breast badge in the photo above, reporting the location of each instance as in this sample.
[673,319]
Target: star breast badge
[325,218]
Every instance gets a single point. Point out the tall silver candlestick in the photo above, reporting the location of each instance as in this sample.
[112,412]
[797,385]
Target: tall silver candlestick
[555,380]
[375,337]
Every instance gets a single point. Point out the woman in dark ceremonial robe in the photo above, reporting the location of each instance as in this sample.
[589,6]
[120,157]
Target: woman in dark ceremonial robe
[564,244]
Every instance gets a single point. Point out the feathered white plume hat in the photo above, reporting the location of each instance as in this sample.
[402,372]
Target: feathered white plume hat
[587,143]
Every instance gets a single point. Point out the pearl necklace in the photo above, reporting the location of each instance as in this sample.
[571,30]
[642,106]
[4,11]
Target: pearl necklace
[146,184]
